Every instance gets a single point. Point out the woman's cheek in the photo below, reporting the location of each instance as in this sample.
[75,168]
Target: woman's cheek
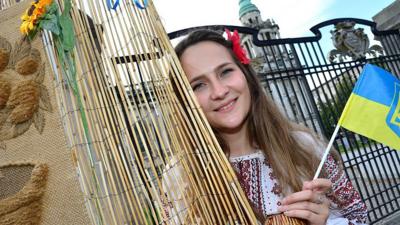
[202,100]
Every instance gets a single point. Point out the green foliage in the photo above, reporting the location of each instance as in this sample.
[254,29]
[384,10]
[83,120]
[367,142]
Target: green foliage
[50,22]
[67,28]
[31,35]
[331,110]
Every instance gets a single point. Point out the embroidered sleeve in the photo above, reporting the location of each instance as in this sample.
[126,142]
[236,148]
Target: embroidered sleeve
[344,196]
[345,200]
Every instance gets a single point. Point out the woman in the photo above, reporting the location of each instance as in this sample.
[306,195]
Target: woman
[273,158]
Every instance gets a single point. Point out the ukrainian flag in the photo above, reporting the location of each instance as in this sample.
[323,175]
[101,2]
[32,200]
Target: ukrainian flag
[373,109]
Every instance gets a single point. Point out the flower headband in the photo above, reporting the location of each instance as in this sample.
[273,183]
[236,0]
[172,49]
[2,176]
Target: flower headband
[236,47]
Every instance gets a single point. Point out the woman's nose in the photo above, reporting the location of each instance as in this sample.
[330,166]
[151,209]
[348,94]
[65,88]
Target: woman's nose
[219,90]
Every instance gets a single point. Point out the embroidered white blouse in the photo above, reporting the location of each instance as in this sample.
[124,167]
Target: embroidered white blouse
[259,183]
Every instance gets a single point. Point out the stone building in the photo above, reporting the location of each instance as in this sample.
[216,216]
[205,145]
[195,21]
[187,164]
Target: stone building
[389,17]
[273,62]
[250,16]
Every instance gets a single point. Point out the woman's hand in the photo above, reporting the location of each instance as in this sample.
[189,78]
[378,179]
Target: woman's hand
[310,203]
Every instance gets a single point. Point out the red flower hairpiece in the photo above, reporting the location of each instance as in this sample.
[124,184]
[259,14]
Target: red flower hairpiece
[236,47]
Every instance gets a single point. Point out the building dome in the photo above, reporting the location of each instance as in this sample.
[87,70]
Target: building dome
[245,6]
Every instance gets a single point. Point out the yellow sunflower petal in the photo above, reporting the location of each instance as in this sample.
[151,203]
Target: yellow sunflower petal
[24,28]
[30,25]
[25,15]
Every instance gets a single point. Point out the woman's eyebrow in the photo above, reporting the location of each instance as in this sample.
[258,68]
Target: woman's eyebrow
[216,69]
[198,77]
[221,66]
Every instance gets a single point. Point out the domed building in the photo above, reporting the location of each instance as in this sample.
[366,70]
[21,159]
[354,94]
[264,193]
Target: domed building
[250,16]
[273,64]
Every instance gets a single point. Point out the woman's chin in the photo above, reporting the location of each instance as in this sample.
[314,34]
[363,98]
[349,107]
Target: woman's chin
[229,126]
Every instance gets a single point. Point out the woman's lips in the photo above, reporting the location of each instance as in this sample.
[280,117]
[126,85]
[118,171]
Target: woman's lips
[226,107]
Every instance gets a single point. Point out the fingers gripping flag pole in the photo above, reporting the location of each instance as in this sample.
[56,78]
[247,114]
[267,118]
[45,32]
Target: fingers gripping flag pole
[372,110]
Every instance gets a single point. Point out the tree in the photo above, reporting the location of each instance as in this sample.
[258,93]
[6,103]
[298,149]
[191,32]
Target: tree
[331,109]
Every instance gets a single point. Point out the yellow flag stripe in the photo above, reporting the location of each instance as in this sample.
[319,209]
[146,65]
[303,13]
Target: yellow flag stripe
[368,119]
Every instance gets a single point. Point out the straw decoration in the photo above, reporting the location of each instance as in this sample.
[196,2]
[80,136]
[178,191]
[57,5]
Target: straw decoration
[281,219]
[143,150]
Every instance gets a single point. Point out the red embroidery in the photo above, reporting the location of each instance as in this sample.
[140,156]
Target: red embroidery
[272,176]
[344,197]
[249,176]
[276,189]
[343,193]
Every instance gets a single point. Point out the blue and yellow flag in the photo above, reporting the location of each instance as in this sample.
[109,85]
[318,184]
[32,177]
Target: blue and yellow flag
[373,109]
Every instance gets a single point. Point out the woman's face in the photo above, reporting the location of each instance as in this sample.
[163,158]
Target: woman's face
[219,85]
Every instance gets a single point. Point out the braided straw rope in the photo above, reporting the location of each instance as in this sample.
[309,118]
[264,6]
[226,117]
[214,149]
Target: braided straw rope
[131,122]
[281,219]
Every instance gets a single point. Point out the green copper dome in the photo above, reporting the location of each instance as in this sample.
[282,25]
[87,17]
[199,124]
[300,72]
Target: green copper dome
[245,6]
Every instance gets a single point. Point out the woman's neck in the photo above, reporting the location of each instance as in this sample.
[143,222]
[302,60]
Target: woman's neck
[238,142]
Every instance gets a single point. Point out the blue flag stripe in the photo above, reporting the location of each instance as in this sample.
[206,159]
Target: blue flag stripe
[377,86]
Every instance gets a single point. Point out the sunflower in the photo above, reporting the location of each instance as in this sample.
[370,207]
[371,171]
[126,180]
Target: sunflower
[43,3]
[33,14]
[40,6]
[27,23]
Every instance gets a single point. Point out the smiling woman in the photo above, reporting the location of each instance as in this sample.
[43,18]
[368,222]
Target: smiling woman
[219,85]
[273,158]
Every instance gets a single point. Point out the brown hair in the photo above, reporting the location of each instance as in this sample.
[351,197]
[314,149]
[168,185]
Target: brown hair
[267,126]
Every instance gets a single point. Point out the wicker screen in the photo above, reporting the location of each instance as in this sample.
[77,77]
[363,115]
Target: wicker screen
[144,151]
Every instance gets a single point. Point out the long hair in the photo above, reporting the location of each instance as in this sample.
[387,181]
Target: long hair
[291,161]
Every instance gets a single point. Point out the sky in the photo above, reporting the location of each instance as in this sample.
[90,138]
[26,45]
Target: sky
[294,17]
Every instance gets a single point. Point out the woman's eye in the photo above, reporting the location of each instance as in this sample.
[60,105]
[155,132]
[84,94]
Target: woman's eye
[226,71]
[197,86]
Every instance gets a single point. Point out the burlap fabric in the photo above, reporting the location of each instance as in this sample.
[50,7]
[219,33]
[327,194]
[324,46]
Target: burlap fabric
[30,125]
[21,192]
[4,4]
